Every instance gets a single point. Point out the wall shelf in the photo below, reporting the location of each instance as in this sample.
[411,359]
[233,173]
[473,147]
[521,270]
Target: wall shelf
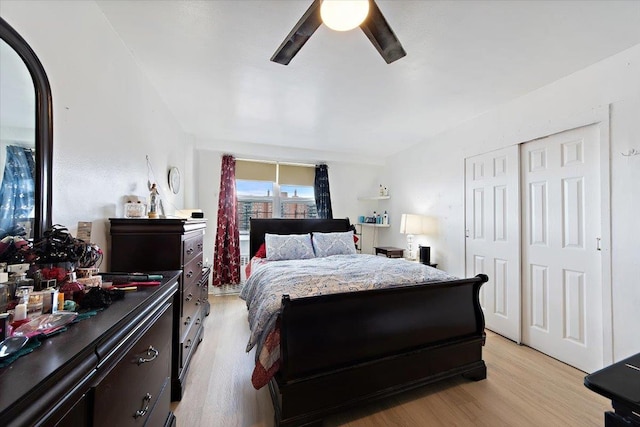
[370,236]
[374,198]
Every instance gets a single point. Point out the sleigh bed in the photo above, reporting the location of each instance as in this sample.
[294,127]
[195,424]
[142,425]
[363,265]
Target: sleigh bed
[344,349]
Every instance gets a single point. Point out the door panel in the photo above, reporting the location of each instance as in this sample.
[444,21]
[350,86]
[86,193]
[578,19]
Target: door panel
[562,284]
[493,236]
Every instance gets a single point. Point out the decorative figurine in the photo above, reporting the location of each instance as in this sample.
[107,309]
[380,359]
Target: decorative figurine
[153,202]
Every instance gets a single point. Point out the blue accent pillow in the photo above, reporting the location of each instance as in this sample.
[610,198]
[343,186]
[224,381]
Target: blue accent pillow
[327,244]
[282,247]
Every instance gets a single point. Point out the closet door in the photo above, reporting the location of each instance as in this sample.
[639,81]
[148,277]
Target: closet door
[492,217]
[562,262]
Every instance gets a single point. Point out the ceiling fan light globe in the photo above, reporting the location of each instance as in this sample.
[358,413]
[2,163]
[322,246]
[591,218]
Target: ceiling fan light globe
[344,15]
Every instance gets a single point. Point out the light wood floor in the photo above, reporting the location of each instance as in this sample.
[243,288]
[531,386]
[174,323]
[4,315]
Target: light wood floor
[523,388]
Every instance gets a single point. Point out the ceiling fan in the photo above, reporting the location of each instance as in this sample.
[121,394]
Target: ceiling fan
[375,27]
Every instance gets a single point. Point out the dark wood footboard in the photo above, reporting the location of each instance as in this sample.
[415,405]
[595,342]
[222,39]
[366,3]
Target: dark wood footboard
[342,350]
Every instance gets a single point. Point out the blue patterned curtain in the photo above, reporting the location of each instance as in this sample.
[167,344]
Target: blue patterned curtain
[322,193]
[17,194]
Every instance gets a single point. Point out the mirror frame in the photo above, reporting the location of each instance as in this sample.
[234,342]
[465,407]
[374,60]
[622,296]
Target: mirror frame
[43,130]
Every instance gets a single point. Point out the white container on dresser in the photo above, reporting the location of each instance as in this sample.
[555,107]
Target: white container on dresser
[147,245]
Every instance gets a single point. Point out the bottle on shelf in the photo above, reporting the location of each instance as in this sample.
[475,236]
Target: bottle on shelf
[385,218]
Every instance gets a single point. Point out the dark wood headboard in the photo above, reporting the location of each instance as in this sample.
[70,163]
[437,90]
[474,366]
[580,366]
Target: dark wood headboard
[258,228]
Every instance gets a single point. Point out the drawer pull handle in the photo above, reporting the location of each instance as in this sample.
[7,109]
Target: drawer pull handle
[197,321]
[199,245]
[142,412]
[189,274]
[187,320]
[152,354]
[200,264]
[188,297]
[189,251]
[198,301]
[187,344]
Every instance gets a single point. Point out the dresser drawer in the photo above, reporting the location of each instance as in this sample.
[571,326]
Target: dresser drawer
[126,396]
[204,294]
[191,303]
[158,416]
[192,272]
[191,247]
[192,339]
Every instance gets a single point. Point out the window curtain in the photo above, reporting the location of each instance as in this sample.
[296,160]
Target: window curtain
[321,190]
[226,257]
[17,194]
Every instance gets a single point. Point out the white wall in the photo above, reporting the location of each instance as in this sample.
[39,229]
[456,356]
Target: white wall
[429,178]
[347,179]
[107,116]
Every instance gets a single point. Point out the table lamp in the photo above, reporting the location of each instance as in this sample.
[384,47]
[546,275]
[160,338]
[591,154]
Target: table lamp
[411,225]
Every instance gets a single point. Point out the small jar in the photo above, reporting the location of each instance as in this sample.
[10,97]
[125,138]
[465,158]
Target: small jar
[17,281]
[35,305]
[134,210]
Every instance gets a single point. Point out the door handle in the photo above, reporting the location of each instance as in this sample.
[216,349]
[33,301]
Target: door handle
[598,248]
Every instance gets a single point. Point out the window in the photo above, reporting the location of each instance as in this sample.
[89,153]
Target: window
[255,200]
[297,202]
[272,190]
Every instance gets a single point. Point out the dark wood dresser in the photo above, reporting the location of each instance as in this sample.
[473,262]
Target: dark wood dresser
[112,369]
[619,382]
[144,245]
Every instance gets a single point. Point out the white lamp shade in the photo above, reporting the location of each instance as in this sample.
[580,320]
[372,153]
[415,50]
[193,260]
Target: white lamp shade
[343,15]
[414,224]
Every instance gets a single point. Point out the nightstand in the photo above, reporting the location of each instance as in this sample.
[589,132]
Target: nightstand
[389,251]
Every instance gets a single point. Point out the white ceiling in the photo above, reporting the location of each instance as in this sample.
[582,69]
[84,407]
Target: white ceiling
[209,60]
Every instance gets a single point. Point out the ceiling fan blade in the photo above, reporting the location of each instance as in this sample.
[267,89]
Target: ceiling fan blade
[301,32]
[377,29]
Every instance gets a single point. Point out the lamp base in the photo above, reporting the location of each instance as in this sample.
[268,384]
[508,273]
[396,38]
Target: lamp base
[410,254]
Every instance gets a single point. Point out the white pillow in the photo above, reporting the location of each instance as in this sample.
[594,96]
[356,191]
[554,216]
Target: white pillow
[288,246]
[326,244]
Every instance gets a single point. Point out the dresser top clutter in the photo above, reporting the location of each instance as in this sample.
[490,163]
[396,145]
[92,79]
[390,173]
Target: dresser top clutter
[34,385]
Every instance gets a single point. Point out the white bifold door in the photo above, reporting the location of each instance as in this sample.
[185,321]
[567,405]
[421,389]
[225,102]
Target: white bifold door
[493,236]
[562,262]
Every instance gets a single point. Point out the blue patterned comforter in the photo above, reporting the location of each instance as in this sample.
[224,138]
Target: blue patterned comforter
[320,276]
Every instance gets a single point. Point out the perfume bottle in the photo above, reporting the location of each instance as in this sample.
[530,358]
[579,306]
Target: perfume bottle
[20,311]
[72,290]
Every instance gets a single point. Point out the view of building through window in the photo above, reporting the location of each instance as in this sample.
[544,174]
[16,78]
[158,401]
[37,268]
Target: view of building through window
[256,199]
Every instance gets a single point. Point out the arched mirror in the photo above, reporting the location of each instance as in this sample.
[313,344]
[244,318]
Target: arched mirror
[26,138]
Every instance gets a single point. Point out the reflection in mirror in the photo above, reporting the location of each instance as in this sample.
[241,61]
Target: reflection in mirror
[26,138]
[17,145]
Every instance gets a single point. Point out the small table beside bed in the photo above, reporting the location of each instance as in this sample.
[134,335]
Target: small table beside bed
[334,329]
